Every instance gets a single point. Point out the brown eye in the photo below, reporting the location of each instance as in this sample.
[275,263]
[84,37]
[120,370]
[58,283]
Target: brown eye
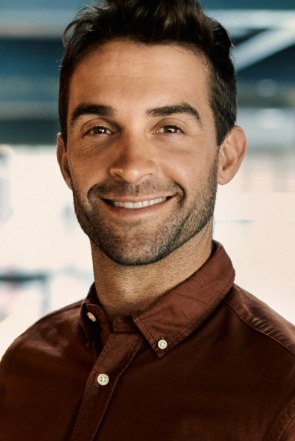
[98,130]
[170,130]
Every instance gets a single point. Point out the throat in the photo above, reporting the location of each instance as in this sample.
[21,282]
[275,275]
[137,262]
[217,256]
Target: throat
[130,292]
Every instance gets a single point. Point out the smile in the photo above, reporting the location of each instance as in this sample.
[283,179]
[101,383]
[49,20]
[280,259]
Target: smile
[137,205]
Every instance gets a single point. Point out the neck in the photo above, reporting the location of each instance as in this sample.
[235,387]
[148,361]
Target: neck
[124,290]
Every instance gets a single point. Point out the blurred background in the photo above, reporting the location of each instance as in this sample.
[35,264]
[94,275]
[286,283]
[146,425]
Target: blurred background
[44,257]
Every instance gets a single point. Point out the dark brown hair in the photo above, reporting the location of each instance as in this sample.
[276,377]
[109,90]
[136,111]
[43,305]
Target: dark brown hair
[151,22]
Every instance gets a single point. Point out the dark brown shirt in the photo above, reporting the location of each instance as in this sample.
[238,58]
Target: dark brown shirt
[206,362]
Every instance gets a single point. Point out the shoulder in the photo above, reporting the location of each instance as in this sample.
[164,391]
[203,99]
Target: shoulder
[261,319]
[48,335]
[56,323]
[268,346]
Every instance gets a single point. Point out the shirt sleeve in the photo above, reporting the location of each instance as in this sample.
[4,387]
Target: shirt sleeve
[284,428]
[289,433]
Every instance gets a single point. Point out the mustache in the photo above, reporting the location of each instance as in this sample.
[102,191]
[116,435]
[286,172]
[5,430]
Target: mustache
[123,189]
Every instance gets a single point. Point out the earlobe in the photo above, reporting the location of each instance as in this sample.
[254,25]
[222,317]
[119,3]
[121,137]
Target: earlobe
[62,158]
[231,154]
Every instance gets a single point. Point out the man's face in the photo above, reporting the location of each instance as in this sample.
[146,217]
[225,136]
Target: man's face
[141,154]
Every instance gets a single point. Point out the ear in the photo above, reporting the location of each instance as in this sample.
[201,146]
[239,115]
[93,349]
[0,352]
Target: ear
[62,158]
[231,154]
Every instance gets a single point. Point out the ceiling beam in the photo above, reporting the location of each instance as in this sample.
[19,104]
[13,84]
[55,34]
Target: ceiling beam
[261,46]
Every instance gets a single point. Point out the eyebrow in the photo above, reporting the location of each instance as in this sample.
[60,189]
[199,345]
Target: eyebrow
[91,109]
[176,108]
[104,110]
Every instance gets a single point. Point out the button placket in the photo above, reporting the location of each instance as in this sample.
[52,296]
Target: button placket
[103,379]
[123,349]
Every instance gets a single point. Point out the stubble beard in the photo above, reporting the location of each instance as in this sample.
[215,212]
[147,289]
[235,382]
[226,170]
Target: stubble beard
[137,243]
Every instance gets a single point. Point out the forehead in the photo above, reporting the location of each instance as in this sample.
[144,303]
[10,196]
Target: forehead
[126,69]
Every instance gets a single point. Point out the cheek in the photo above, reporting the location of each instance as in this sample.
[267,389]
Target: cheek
[85,172]
[189,170]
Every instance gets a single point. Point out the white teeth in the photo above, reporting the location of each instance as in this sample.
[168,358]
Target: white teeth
[140,204]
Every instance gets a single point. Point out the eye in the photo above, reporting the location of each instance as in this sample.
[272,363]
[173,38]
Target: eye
[170,130]
[98,130]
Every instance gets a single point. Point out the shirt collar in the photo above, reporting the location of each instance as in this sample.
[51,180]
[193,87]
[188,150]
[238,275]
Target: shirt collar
[176,314]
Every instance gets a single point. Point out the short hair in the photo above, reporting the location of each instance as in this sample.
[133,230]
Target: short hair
[153,22]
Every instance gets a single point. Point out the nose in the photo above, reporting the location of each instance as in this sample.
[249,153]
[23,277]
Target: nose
[134,161]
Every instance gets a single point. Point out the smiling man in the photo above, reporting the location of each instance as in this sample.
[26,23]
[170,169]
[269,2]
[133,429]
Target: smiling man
[165,346]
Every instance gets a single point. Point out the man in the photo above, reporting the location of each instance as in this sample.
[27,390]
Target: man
[165,346]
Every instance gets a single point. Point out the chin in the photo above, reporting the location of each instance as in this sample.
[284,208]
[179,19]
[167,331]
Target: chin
[140,259]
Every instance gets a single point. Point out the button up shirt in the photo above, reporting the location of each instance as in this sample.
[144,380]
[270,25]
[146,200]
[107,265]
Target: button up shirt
[207,362]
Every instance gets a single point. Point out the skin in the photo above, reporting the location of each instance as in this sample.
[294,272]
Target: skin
[140,129]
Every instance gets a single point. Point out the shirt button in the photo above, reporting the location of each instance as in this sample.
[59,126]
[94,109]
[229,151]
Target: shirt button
[162,344]
[91,316]
[103,379]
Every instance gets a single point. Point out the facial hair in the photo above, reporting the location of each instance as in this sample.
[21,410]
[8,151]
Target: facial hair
[137,242]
